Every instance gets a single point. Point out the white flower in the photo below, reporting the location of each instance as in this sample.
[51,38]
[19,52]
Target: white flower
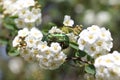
[105,34]
[36,12]
[47,52]
[108,66]
[23,33]
[42,46]
[22,3]
[55,47]
[27,54]
[45,62]
[36,33]
[31,41]
[20,23]
[94,29]
[90,37]
[91,50]
[58,60]
[95,41]
[38,21]
[60,57]
[16,41]
[30,25]
[23,12]
[35,51]
[27,3]
[54,29]
[68,21]
[24,52]
[30,17]
[81,43]
[29,58]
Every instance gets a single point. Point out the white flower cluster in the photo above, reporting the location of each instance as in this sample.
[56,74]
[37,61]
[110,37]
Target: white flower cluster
[27,38]
[14,6]
[108,67]
[68,21]
[28,14]
[50,57]
[95,41]
[32,49]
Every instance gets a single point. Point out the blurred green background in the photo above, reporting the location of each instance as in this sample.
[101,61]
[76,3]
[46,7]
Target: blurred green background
[105,13]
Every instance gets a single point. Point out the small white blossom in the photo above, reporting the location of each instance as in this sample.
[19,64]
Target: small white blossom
[94,29]
[16,41]
[20,23]
[36,12]
[23,12]
[82,43]
[31,41]
[36,33]
[68,21]
[54,29]
[105,34]
[55,47]
[25,3]
[23,33]
[42,46]
[29,18]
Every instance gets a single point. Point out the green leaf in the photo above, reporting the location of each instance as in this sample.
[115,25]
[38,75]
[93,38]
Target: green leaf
[90,69]
[74,45]
[9,23]
[8,26]
[89,58]
[13,53]
[80,53]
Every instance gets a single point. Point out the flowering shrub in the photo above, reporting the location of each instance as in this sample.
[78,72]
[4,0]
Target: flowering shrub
[91,47]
